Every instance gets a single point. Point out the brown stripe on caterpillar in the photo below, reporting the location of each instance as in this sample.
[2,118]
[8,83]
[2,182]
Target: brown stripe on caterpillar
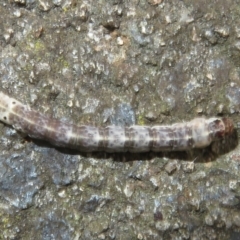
[198,133]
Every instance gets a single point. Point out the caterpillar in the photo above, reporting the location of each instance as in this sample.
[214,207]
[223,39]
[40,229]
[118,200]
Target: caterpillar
[198,133]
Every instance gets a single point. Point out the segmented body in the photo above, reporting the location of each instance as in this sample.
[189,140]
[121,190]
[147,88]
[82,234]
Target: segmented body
[198,133]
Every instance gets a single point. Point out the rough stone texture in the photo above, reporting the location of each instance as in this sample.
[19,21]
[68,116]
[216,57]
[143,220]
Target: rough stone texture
[102,62]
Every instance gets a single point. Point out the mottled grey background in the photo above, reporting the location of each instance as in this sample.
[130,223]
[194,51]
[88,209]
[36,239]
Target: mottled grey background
[120,62]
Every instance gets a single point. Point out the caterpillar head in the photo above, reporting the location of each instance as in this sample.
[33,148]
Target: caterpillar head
[6,106]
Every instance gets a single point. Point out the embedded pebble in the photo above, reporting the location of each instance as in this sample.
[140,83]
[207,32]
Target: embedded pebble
[223,31]
[119,41]
[210,36]
[151,116]
[128,190]
[171,166]
[188,167]
[45,5]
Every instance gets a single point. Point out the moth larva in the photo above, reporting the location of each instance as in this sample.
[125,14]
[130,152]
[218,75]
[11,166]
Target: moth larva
[198,133]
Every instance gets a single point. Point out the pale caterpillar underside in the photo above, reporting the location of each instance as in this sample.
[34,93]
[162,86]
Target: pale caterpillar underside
[198,133]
